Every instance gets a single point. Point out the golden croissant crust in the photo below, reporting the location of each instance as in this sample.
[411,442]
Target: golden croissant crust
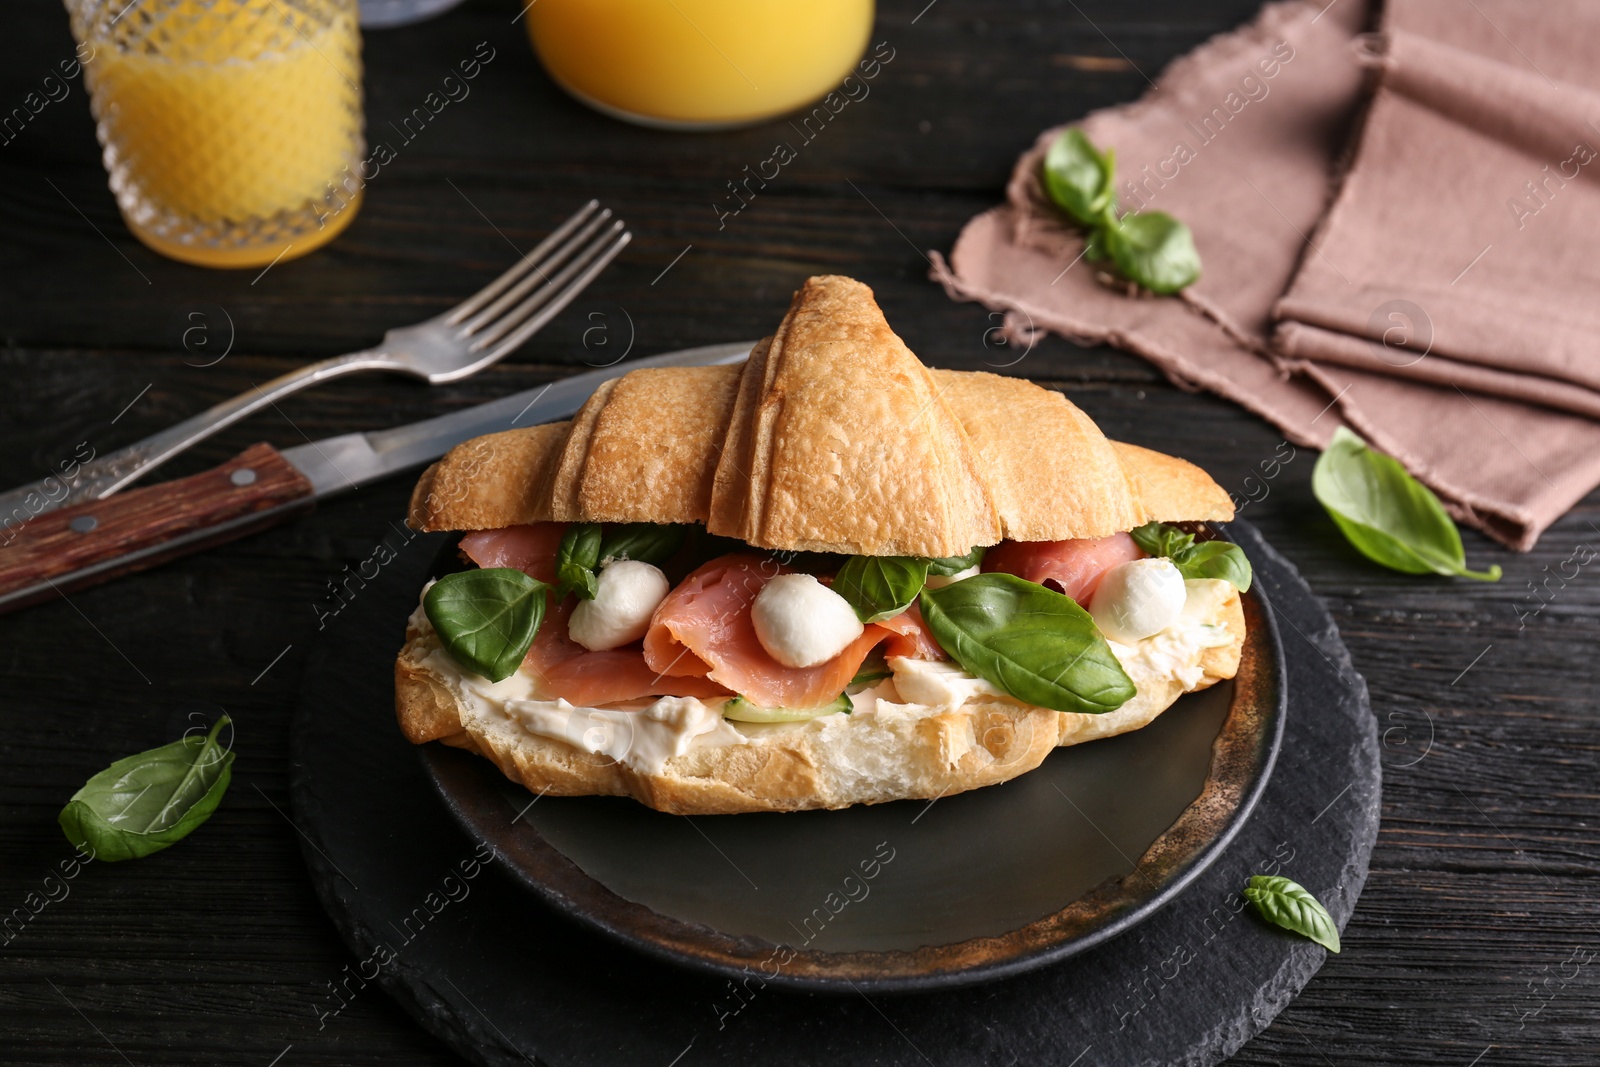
[832,437]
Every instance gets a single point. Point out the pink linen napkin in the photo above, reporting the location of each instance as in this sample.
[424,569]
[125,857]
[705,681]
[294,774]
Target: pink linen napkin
[1482,375]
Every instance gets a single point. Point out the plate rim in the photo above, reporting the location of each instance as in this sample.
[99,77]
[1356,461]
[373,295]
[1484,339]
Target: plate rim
[554,878]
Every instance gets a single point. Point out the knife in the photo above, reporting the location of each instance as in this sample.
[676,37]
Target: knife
[55,552]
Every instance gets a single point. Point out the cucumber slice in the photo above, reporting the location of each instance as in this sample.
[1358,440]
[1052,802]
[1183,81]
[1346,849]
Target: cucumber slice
[874,669]
[868,679]
[741,710]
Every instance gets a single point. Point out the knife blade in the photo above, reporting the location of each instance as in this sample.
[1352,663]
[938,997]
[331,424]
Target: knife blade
[336,464]
[55,552]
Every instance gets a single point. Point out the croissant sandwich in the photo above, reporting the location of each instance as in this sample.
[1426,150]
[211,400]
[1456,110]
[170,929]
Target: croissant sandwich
[825,576]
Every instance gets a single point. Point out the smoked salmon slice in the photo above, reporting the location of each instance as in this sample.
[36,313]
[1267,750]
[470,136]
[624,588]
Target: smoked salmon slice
[701,642]
[531,549]
[911,637]
[568,671]
[703,629]
[1073,567]
[565,669]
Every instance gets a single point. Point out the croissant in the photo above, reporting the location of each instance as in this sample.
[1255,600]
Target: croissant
[831,438]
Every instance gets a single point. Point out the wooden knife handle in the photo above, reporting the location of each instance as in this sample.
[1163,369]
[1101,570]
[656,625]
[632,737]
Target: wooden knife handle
[44,555]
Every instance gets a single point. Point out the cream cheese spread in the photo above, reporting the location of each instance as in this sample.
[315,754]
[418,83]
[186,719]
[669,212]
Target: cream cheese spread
[1175,651]
[643,738]
[646,734]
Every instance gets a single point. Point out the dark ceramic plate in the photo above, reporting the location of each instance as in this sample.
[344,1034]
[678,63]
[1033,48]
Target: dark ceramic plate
[911,894]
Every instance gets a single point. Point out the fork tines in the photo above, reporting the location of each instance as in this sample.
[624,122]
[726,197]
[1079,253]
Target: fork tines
[518,303]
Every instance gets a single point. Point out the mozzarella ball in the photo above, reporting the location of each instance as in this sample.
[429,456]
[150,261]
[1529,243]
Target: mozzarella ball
[627,593]
[801,622]
[1138,599]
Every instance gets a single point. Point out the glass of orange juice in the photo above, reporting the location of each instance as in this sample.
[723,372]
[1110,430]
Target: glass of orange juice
[698,64]
[231,129]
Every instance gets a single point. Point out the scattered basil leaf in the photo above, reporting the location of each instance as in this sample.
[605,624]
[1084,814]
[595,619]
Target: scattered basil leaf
[1032,642]
[1389,516]
[486,619]
[945,566]
[146,802]
[1153,249]
[1195,559]
[880,587]
[647,542]
[1078,177]
[576,560]
[1291,906]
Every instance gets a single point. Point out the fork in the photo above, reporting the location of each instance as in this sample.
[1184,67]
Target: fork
[446,348]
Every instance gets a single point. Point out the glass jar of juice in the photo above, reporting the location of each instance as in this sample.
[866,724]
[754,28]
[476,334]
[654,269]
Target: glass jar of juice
[231,129]
[698,64]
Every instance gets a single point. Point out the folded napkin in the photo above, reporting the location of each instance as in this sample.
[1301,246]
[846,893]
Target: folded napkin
[1398,287]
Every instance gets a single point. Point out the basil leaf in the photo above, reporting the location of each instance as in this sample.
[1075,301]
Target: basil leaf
[1078,177]
[1032,642]
[648,542]
[945,566]
[879,587]
[1389,516]
[1153,249]
[1291,906]
[486,619]
[144,803]
[1150,248]
[1159,539]
[576,560]
[1203,559]
[1094,249]
[1216,559]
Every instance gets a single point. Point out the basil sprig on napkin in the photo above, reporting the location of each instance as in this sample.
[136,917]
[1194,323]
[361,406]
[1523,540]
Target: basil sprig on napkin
[1392,518]
[487,618]
[1078,177]
[1032,642]
[1195,559]
[1153,249]
[1150,248]
[584,548]
[146,802]
[1291,906]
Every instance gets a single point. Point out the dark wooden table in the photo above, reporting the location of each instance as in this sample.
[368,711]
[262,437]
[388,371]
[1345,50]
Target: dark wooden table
[1476,939]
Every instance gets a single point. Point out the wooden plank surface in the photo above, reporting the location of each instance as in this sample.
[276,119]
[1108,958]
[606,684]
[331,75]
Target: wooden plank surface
[1476,939]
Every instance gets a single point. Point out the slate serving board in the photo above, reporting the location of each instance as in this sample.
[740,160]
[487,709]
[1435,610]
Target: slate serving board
[477,960]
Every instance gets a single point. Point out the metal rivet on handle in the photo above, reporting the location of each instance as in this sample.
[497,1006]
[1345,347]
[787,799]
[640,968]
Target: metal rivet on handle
[83,524]
[243,477]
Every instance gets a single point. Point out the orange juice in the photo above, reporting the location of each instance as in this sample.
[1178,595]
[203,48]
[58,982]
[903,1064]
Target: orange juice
[699,63]
[227,124]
